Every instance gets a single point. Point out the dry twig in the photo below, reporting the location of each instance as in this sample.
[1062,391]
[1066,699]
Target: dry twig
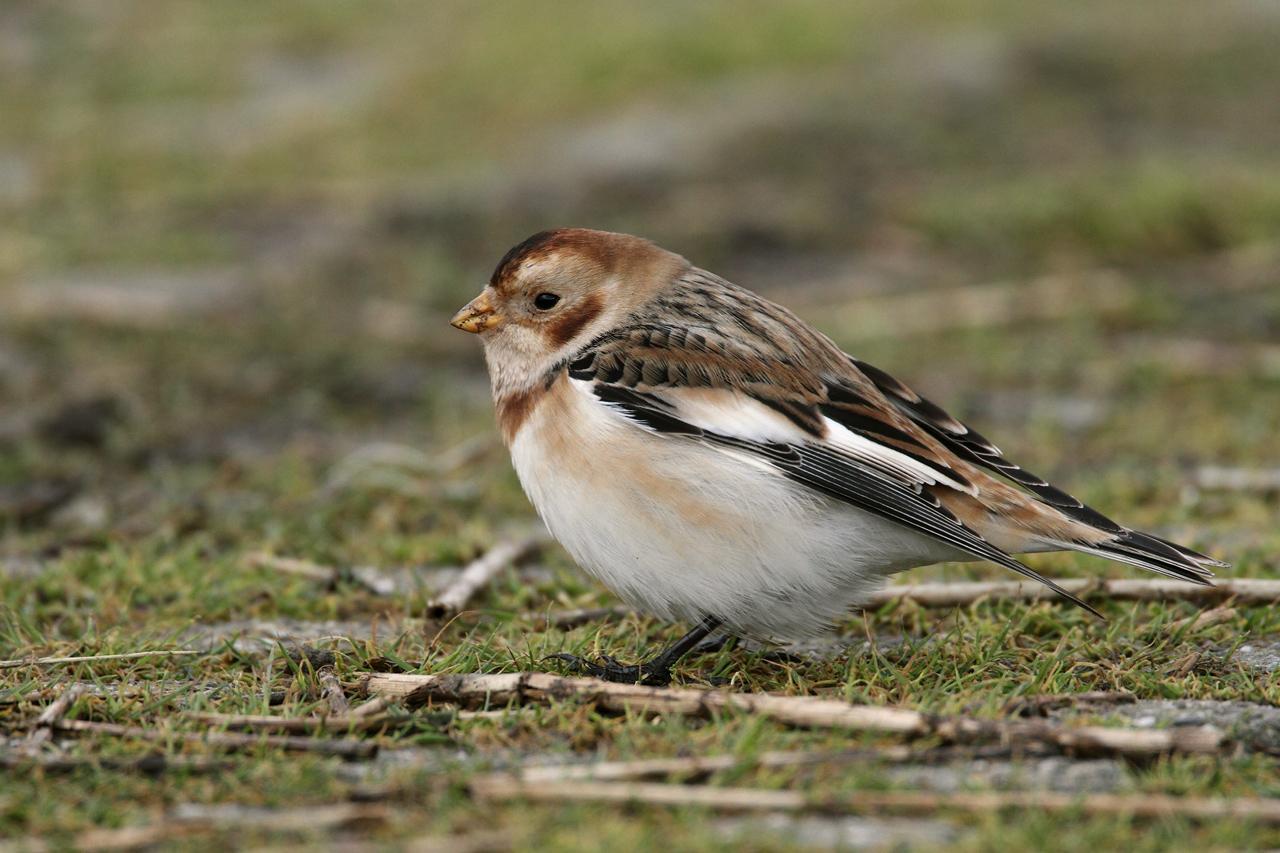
[1243,591]
[806,711]
[482,689]
[227,740]
[1146,806]
[327,575]
[477,575]
[1039,706]
[50,716]
[699,768]
[1207,619]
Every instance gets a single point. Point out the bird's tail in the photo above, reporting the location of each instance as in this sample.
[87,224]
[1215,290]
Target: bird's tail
[1154,554]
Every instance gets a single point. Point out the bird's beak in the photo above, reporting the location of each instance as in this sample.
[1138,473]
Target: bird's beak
[477,315]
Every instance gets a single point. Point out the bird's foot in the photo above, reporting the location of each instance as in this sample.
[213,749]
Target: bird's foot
[611,669]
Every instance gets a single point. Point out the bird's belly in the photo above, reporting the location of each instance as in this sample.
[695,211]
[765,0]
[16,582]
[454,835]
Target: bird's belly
[686,530]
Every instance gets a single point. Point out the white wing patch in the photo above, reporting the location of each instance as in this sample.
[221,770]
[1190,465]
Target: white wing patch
[735,415]
[887,458]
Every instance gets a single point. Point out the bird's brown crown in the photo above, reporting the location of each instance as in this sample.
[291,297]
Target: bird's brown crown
[604,251]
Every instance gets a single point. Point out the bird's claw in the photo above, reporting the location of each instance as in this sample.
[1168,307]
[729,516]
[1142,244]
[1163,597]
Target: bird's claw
[610,668]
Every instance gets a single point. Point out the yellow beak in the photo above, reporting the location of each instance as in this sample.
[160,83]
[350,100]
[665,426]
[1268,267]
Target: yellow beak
[477,315]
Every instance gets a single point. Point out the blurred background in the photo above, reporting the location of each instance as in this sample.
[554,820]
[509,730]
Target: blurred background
[234,233]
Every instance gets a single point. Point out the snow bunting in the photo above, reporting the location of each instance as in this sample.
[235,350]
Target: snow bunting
[712,458]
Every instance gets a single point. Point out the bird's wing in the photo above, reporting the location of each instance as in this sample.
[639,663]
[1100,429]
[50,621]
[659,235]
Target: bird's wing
[738,373]
[1113,541]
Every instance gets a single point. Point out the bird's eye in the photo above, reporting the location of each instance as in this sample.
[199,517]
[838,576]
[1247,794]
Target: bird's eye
[545,301]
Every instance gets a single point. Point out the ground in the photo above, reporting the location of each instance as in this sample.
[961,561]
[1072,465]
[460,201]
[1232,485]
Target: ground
[235,232]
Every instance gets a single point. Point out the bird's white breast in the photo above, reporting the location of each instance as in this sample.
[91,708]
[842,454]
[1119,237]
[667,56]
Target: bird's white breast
[687,530]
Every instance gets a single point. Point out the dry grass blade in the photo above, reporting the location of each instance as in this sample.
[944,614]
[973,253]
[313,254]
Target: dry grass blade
[477,575]
[1146,806]
[803,711]
[227,740]
[55,661]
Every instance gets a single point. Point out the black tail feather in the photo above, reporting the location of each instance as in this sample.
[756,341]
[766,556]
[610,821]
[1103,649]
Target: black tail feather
[1154,554]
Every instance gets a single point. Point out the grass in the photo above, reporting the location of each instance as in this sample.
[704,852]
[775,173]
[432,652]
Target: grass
[355,174]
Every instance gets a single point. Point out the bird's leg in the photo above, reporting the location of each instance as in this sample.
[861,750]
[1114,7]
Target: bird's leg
[652,673]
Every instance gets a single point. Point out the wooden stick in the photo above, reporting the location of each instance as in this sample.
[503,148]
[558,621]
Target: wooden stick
[477,575]
[484,689]
[1243,591]
[329,576]
[19,662]
[50,716]
[1145,806]
[1207,619]
[338,704]
[1037,706]
[804,711]
[301,725]
[227,740]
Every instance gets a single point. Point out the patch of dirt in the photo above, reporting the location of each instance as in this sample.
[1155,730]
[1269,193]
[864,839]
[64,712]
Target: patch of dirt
[1058,774]
[1263,655]
[259,636]
[1251,723]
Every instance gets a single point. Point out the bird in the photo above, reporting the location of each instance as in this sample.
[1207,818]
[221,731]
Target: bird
[714,459]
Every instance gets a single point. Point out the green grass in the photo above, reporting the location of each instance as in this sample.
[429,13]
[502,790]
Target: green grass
[358,171]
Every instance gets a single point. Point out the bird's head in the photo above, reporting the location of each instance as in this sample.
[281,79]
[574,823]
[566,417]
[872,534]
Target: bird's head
[557,291]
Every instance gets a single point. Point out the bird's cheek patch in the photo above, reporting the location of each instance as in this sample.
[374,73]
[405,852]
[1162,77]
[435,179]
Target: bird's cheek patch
[566,327]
